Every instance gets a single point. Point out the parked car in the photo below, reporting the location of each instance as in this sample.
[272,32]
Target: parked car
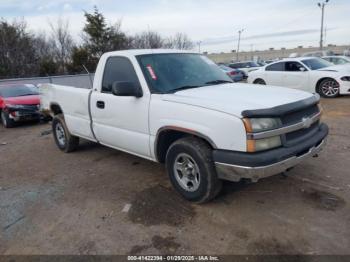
[179,108]
[318,53]
[310,74]
[294,55]
[19,103]
[246,67]
[338,60]
[235,74]
[270,61]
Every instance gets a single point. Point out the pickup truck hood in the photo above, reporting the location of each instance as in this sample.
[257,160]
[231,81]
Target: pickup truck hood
[23,100]
[235,98]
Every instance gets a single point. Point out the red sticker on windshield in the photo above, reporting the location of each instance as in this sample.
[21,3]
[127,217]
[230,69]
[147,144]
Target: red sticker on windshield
[151,72]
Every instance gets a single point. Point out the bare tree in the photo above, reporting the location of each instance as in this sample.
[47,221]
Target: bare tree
[44,45]
[46,55]
[179,41]
[148,39]
[17,52]
[62,42]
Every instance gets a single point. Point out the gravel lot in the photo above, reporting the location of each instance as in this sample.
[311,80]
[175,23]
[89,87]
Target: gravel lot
[102,201]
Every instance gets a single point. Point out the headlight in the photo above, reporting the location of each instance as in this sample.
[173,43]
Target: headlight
[345,78]
[255,125]
[263,144]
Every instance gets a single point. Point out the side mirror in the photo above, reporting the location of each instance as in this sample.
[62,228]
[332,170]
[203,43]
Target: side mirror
[126,89]
[302,69]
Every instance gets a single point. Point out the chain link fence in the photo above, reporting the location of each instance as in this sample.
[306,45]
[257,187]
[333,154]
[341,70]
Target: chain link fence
[80,81]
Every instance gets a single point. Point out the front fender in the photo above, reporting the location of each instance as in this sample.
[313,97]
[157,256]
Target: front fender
[221,130]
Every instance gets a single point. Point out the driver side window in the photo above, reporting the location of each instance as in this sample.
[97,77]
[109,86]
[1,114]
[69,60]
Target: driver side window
[118,69]
[294,67]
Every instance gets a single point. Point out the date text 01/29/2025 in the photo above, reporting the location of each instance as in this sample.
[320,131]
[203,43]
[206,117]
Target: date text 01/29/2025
[173,258]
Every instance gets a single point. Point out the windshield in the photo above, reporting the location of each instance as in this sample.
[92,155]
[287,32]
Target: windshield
[342,61]
[316,63]
[18,90]
[167,73]
[253,64]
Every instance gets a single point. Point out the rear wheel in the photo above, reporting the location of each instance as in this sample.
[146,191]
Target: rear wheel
[7,122]
[259,81]
[329,88]
[191,170]
[64,140]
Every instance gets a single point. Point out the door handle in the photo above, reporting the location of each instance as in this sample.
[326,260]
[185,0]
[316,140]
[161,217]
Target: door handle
[100,104]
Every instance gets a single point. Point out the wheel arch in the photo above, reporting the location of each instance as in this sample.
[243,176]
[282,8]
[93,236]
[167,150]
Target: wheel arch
[55,109]
[257,79]
[321,80]
[167,135]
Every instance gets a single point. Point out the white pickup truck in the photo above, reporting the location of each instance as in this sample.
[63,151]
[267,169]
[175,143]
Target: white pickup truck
[179,108]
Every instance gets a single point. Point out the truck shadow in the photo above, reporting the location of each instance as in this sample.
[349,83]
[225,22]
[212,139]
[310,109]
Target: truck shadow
[85,145]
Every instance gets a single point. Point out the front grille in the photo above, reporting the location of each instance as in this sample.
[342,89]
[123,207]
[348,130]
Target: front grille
[301,134]
[297,116]
[32,108]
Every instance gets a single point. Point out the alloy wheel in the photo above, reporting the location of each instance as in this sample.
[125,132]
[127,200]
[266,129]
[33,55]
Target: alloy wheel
[330,88]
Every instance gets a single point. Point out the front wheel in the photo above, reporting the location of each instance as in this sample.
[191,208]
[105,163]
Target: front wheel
[329,88]
[7,122]
[192,171]
[64,140]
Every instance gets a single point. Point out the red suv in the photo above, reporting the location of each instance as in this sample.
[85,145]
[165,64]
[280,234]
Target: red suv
[19,103]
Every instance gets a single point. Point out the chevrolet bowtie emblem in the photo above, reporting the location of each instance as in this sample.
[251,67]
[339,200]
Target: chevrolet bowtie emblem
[307,122]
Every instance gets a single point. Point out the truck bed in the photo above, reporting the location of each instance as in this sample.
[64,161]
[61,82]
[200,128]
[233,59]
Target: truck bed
[75,103]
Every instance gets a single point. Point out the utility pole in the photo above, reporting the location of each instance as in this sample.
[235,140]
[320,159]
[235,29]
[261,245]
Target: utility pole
[251,52]
[199,46]
[322,6]
[239,41]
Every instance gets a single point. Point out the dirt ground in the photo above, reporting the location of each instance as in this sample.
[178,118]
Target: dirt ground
[102,201]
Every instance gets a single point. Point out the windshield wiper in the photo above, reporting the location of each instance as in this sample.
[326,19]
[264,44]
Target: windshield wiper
[215,82]
[182,88]
[218,82]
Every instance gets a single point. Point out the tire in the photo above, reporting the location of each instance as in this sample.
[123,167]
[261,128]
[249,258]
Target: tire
[193,156]
[259,81]
[328,88]
[64,140]
[6,121]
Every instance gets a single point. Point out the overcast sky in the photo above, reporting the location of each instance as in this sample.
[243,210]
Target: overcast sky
[267,23]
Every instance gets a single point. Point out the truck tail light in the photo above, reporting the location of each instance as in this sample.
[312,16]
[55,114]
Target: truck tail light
[232,73]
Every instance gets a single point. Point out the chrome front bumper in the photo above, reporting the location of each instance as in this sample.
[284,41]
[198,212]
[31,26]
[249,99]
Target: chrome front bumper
[235,172]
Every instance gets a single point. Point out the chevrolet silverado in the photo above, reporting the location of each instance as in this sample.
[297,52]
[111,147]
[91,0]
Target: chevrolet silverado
[181,109]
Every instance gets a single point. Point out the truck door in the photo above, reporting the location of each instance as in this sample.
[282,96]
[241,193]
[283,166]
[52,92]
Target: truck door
[121,122]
